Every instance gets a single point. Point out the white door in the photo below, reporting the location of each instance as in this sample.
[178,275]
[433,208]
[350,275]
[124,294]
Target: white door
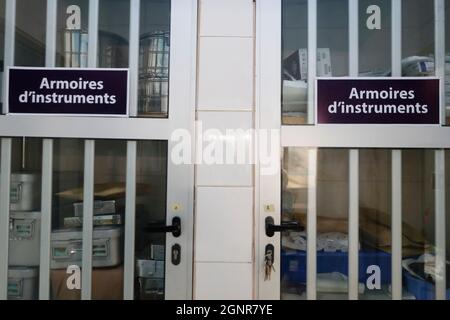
[89,171]
[362,208]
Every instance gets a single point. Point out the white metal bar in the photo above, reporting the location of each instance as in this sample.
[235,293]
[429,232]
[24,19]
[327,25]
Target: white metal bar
[88,208]
[396,229]
[134,55]
[130,219]
[353,50]
[50,37]
[180,179]
[396,38]
[47,166]
[312,57]
[10,23]
[439,35]
[84,127]
[311,229]
[353,225]
[368,136]
[268,117]
[440,224]
[46,219]
[5,181]
[93,33]
[353,217]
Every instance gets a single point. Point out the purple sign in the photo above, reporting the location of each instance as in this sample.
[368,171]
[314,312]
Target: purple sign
[68,91]
[378,101]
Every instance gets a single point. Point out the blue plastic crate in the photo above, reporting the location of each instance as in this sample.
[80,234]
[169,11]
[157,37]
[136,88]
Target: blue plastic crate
[293,264]
[421,289]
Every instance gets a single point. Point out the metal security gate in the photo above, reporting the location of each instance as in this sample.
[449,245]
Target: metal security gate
[177,184]
[347,146]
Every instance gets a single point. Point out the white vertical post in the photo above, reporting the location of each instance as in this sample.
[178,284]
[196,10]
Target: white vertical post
[130,195]
[268,117]
[5,182]
[353,44]
[396,223]
[396,229]
[10,28]
[440,235]
[353,217]
[134,55]
[439,42]
[353,225]
[46,219]
[47,166]
[396,38]
[130,219]
[50,37]
[93,33]
[311,229]
[312,57]
[88,209]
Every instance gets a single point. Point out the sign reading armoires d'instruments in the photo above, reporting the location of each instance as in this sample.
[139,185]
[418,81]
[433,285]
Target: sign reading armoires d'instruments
[378,101]
[68,91]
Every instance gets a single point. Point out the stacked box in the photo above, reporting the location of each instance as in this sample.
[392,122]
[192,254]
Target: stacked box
[296,65]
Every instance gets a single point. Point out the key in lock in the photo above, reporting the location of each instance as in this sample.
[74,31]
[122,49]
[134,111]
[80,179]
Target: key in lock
[269,259]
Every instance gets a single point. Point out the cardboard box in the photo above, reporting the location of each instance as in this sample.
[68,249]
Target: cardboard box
[324,62]
[296,64]
[107,284]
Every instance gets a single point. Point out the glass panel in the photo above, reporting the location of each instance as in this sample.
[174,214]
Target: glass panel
[72,33]
[332,38]
[375,38]
[447,61]
[30,33]
[154,49]
[332,223]
[294,203]
[25,219]
[375,180]
[417,38]
[113,33]
[418,203]
[374,223]
[109,218]
[150,211]
[109,209]
[294,61]
[66,243]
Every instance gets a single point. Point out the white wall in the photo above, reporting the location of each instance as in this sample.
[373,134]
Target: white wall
[223,252]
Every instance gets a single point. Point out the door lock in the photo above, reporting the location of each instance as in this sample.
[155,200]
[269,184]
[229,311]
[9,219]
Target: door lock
[176,254]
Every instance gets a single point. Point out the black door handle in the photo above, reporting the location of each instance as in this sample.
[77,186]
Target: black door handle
[271,227]
[175,228]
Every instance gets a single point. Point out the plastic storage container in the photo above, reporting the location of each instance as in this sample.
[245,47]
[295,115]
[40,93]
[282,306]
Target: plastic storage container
[421,289]
[25,191]
[24,238]
[107,249]
[293,264]
[23,283]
